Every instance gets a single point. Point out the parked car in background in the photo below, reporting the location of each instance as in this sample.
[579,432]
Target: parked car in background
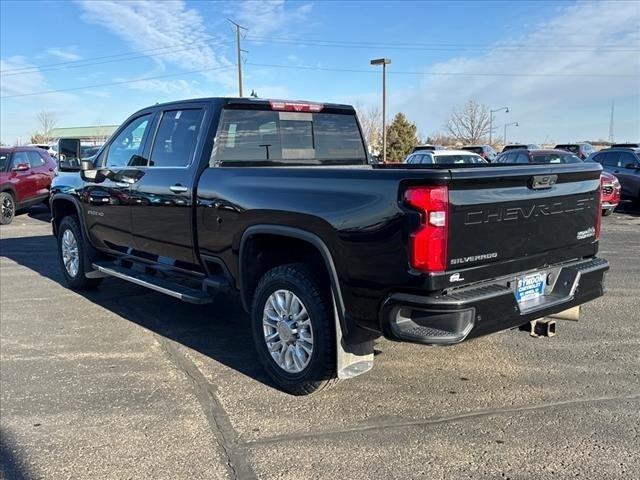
[513,146]
[485,151]
[610,191]
[624,163]
[525,156]
[25,179]
[443,157]
[581,150]
[426,146]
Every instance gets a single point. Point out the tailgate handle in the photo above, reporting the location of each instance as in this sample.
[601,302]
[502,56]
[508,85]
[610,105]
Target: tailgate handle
[539,182]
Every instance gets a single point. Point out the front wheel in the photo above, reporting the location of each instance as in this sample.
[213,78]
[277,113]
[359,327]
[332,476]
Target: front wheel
[8,205]
[293,329]
[75,255]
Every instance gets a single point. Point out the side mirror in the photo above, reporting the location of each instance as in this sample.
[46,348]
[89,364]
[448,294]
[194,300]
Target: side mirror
[69,153]
[20,167]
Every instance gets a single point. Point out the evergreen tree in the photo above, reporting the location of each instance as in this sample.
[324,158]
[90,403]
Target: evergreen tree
[401,138]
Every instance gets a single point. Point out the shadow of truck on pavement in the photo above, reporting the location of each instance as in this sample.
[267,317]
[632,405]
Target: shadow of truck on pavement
[220,330]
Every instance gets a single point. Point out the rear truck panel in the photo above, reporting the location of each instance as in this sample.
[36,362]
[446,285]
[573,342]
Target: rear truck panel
[520,244]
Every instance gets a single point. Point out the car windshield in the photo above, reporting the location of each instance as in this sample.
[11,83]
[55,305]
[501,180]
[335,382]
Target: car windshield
[4,161]
[456,159]
[555,158]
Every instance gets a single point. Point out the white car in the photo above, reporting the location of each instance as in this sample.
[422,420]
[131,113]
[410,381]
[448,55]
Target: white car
[439,157]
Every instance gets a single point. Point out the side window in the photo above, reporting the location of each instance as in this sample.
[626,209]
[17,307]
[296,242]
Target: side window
[610,159]
[410,159]
[18,158]
[35,160]
[520,158]
[176,138]
[598,158]
[627,159]
[125,149]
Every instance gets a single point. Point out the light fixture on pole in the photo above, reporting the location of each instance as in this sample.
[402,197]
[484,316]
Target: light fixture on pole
[491,112]
[515,124]
[384,62]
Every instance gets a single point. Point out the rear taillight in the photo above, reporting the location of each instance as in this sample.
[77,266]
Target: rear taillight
[296,106]
[428,244]
[599,214]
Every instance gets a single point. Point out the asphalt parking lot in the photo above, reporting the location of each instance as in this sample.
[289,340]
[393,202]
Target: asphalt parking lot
[126,383]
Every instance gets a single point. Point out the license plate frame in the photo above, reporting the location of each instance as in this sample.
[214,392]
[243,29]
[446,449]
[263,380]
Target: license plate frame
[530,286]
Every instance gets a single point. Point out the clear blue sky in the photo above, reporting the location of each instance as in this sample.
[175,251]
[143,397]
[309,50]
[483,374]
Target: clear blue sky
[557,65]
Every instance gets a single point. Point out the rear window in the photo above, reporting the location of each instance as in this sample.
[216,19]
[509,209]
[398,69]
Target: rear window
[555,158]
[570,148]
[457,159]
[477,150]
[288,138]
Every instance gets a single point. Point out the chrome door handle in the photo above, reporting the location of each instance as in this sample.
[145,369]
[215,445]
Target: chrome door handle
[178,189]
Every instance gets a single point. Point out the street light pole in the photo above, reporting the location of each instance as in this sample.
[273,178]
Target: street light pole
[384,62]
[491,112]
[239,54]
[515,124]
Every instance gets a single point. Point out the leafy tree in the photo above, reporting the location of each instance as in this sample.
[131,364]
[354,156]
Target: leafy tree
[401,138]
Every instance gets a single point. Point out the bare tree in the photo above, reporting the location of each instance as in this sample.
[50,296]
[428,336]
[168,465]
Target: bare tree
[47,122]
[371,122]
[469,125]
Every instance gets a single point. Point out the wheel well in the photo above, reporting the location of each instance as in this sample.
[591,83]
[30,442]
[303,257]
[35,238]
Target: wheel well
[262,252]
[62,208]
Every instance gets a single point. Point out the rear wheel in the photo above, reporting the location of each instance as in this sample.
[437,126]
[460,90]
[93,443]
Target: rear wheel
[75,254]
[8,205]
[293,329]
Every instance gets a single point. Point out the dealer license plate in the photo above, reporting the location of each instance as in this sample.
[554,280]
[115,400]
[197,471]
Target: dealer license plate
[530,286]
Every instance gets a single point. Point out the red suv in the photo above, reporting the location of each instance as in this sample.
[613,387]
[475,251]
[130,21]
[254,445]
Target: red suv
[25,179]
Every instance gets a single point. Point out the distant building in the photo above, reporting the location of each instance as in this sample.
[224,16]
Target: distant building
[95,135]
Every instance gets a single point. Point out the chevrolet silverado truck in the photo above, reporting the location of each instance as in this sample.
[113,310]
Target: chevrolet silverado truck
[278,201]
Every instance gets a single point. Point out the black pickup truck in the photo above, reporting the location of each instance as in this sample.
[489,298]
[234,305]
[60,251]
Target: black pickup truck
[278,201]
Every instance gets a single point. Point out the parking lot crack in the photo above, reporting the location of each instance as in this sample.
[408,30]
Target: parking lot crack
[217,418]
[377,426]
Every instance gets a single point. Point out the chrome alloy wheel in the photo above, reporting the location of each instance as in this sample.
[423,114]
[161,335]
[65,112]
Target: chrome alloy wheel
[8,208]
[70,256]
[287,331]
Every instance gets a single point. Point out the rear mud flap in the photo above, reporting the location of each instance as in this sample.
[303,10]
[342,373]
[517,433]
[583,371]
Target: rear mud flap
[352,359]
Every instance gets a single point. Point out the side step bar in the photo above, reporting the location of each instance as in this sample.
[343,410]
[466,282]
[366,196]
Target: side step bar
[162,285]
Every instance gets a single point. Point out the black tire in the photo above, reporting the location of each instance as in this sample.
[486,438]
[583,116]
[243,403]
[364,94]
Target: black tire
[320,372]
[606,212]
[86,256]
[8,206]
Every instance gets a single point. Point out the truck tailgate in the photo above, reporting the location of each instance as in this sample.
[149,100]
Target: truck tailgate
[506,215]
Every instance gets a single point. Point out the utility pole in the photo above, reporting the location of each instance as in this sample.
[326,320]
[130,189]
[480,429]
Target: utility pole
[611,125]
[384,62]
[239,51]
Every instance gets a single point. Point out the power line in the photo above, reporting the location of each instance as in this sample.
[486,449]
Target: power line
[55,68]
[116,56]
[462,74]
[115,83]
[438,46]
